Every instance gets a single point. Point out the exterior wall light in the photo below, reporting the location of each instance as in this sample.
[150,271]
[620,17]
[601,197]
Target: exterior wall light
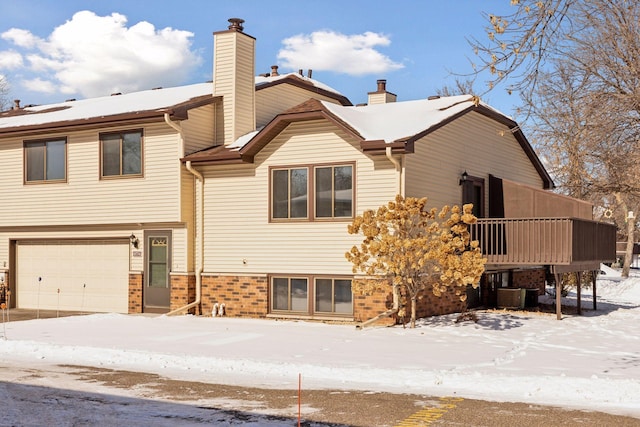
[134,241]
[463,178]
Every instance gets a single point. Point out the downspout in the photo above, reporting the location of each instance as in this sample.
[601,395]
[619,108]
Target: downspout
[199,229]
[396,296]
[398,166]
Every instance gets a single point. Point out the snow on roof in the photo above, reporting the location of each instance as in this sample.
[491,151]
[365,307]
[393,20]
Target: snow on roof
[244,140]
[262,80]
[147,100]
[397,120]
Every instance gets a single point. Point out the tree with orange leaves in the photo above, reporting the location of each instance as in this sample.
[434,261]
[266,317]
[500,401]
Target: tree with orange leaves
[412,249]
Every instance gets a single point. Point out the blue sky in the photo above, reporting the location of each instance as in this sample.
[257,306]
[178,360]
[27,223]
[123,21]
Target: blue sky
[50,52]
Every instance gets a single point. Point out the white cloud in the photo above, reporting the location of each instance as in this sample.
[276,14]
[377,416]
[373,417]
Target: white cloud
[39,85]
[98,55]
[331,51]
[22,38]
[10,59]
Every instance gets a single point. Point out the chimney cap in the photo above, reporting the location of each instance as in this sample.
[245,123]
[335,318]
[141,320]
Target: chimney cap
[236,24]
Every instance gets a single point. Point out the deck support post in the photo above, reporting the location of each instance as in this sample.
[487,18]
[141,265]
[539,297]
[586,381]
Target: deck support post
[594,277]
[579,287]
[558,277]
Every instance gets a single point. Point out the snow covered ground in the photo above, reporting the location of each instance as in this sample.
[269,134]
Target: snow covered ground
[589,362]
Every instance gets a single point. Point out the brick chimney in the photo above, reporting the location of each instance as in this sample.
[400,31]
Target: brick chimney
[234,80]
[381,96]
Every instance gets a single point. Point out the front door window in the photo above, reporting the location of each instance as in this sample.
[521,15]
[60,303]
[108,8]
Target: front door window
[157,292]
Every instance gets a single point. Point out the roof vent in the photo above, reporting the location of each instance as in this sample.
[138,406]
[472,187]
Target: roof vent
[16,104]
[156,88]
[236,24]
[116,93]
[432,97]
[274,71]
[69,100]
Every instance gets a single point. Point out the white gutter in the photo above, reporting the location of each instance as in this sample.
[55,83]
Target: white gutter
[199,226]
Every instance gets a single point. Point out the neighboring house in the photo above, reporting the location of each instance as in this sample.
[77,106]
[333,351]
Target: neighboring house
[237,194]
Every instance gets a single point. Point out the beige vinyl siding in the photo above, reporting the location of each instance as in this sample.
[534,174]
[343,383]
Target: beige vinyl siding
[234,79]
[237,228]
[180,254]
[273,100]
[198,131]
[474,143]
[87,199]
[381,98]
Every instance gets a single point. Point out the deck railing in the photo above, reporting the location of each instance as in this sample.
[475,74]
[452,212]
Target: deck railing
[545,241]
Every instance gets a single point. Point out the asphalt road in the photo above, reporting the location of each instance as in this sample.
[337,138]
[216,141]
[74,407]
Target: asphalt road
[31,393]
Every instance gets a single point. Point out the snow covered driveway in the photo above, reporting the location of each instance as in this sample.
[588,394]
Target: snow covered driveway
[590,362]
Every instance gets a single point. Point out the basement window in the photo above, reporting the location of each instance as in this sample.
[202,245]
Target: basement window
[311,296]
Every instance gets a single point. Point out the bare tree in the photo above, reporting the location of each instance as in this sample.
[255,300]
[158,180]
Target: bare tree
[461,87]
[4,93]
[576,64]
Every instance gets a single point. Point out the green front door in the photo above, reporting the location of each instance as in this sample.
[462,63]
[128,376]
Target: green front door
[157,290]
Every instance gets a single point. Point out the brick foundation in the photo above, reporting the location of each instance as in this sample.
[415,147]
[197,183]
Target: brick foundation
[369,306]
[431,305]
[366,307]
[243,296]
[135,292]
[248,296]
[530,278]
[183,291]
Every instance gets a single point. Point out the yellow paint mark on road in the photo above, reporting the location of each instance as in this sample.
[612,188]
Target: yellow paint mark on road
[426,416]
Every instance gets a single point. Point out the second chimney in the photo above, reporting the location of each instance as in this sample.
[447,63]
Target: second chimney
[381,96]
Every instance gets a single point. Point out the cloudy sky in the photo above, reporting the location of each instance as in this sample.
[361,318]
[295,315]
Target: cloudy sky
[52,51]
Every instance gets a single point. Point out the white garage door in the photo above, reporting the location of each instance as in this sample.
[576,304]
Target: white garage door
[73,275]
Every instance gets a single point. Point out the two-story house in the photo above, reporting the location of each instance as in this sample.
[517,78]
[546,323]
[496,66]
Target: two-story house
[234,196]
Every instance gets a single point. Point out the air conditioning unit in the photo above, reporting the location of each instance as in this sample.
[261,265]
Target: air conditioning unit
[510,298]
